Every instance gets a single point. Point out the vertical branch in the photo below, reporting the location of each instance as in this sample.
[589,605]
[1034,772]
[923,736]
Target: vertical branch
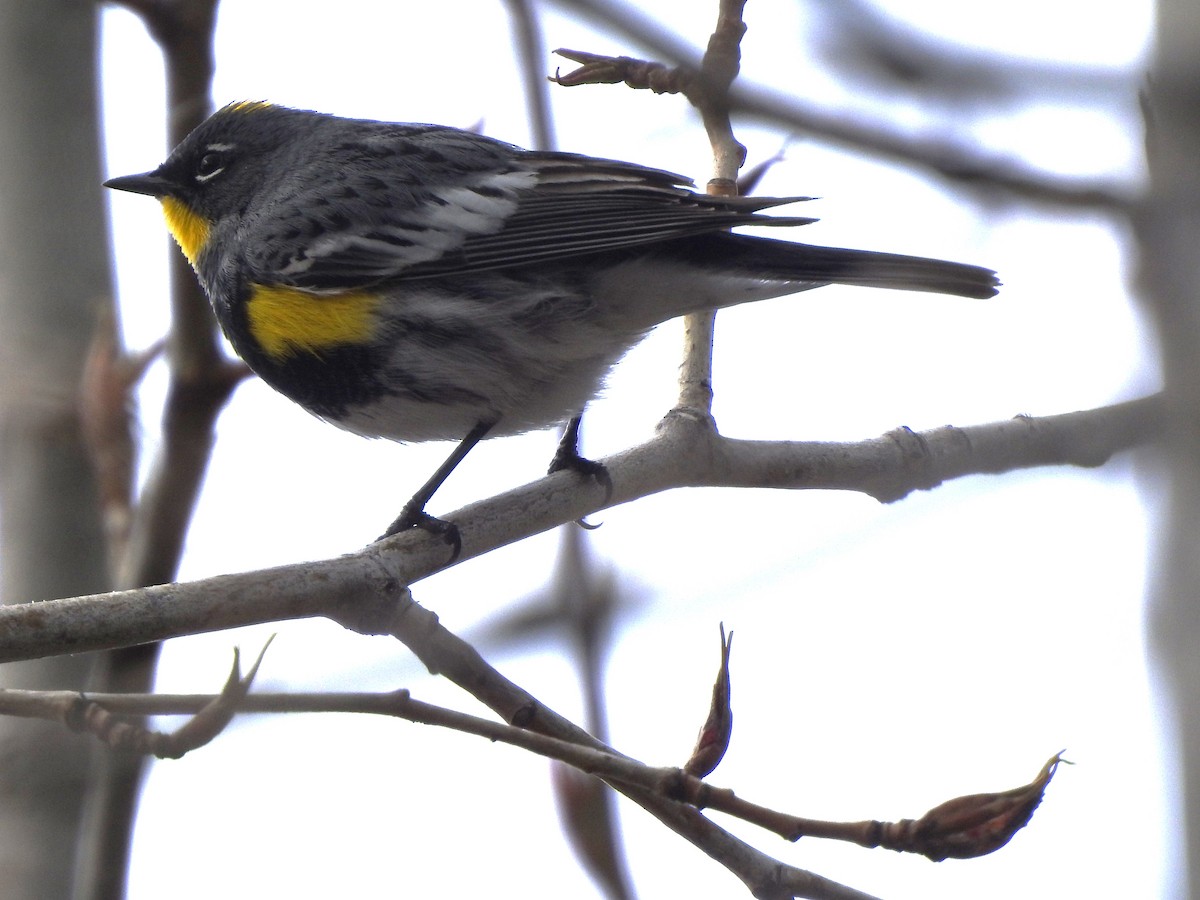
[531,51]
[695,372]
[54,276]
[587,806]
[720,68]
[201,378]
[201,382]
[710,96]
[1168,230]
[585,598]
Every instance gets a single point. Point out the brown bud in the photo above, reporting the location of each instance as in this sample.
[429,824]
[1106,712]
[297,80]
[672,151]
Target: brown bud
[713,740]
[971,826]
[89,716]
[636,73]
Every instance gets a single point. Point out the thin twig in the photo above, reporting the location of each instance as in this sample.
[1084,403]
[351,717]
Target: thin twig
[964,827]
[950,159]
[531,54]
[710,95]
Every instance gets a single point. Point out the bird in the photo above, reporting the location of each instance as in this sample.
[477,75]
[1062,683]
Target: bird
[421,282]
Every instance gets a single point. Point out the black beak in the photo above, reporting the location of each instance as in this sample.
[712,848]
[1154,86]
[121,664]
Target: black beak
[147,183]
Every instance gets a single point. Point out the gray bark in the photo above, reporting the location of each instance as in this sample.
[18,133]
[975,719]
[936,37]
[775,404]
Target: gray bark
[53,275]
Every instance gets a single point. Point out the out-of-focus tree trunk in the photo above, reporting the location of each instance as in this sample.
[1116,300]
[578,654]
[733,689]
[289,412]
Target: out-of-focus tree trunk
[54,276]
[1169,231]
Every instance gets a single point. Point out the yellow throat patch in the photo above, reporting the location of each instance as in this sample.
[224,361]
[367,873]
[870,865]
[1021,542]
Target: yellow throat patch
[286,321]
[189,229]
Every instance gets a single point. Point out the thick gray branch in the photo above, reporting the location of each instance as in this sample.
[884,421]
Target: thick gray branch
[686,452]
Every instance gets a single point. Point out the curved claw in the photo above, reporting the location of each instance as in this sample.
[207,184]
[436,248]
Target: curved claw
[569,459]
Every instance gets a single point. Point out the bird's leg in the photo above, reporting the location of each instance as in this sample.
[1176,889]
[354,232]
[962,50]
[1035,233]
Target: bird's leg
[567,457]
[414,515]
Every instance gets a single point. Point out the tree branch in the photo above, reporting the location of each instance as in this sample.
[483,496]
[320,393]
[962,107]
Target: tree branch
[949,159]
[686,452]
[201,382]
[959,823]
[368,592]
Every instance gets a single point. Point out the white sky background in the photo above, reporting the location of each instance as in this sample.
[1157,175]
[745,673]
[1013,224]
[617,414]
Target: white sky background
[886,659]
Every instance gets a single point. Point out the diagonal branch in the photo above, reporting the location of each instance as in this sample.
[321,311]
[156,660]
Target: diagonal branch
[686,452]
[444,653]
[964,827]
[367,592]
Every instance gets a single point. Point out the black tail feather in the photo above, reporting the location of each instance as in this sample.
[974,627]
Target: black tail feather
[786,261]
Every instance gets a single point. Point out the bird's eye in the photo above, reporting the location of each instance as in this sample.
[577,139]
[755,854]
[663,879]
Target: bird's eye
[210,164]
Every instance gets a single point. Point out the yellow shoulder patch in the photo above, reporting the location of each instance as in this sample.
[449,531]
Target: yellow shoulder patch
[189,229]
[286,321]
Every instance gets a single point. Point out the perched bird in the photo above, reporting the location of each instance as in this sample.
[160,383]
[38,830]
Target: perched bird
[419,282]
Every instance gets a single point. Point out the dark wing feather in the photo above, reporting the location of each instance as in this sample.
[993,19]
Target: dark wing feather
[387,216]
[582,205]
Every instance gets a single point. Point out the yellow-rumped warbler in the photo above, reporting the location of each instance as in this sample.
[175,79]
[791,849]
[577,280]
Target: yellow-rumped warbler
[418,282]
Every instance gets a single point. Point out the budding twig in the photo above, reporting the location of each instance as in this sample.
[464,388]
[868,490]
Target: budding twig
[713,739]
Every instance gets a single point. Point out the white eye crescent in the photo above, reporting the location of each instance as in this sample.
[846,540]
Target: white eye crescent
[211,164]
